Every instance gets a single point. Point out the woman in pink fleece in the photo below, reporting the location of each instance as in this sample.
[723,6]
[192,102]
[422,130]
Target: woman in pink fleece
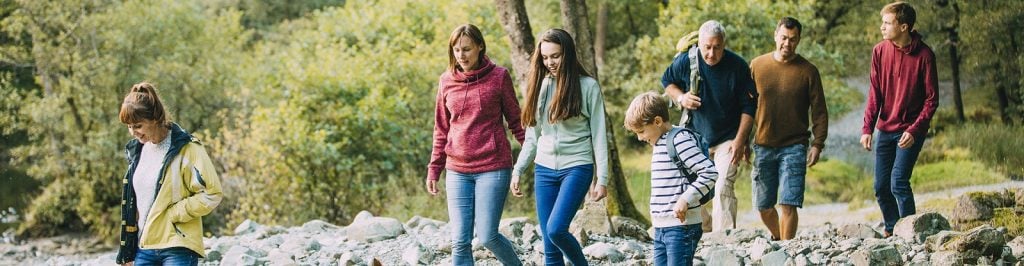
[473,96]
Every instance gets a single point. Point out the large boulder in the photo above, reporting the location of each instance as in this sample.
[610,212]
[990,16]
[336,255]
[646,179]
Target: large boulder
[593,219]
[917,227]
[978,206]
[368,229]
[984,239]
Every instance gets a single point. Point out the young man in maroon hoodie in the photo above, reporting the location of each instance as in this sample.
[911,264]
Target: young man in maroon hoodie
[902,99]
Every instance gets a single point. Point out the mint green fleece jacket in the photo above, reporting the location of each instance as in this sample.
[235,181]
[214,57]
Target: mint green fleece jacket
[576,141]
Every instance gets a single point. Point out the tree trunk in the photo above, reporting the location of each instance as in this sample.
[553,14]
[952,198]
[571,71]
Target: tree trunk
[517,25]
[619,202]
[954,60]
[602,34]
[577,23]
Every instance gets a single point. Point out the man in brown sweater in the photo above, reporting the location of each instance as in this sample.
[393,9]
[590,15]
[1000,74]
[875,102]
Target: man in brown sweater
[790,91]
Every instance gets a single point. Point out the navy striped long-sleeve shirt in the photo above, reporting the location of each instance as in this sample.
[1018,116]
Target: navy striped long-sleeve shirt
[668,185]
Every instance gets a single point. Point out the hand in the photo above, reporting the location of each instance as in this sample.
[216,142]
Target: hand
[740,152]
[906,140]
[598,192]
[432,187]
[515,187]
[812,156]
[689,101]
[865,141]
[680,210]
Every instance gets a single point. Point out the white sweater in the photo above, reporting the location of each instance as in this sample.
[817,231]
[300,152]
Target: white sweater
[146,175]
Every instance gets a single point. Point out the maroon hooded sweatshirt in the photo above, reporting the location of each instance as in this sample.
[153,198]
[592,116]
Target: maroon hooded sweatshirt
[904,88]
[469,132]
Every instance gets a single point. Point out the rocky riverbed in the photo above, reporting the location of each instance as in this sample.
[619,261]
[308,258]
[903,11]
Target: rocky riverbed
[923,239]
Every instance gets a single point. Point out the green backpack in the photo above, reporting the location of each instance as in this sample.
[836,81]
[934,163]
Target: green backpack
[688,43]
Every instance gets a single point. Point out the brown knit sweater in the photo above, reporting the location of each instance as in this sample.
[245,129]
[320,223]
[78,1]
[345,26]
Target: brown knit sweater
[789,94]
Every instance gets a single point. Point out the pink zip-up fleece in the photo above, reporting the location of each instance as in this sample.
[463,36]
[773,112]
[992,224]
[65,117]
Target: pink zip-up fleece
[904,88]
[471,113]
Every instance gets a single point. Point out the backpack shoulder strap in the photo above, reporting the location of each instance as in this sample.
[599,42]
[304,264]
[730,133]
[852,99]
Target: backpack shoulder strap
[670,147]
[694,70]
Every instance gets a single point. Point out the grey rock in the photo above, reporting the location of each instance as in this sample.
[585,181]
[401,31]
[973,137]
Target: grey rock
[348,259]
[362,216]
[850,244]
[247,226]
[318,226]
[858,231]
[879,254]
[917,227]
[778,257]
[984,239]
[239,256]
[300,245]
[937,241]
[604,251]
[416,255]
[372,229]
[758,248]
[593,219]
[631,248]
[1017,244]
[513,229]
[723,257]
[628,227]
[281,257]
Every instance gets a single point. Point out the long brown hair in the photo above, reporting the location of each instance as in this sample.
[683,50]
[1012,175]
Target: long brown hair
[142,103]
[468,30]
[568,99]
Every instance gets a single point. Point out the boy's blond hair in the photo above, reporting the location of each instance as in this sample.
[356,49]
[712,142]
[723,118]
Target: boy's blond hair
[644,108]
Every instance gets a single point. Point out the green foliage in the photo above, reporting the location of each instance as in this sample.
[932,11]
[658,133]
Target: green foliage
[341,111]
[87,53]
[952,174]
[998,146]
[835,181]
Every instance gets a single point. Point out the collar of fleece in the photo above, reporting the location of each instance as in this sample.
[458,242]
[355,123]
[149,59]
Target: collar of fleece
[474,75]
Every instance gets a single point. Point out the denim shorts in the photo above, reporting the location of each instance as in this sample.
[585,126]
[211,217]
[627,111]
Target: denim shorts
[777,169]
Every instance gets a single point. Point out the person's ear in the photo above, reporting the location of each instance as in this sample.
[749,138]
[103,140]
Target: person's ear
[657,121]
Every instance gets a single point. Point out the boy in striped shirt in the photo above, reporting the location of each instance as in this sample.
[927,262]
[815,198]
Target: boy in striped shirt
[675,202]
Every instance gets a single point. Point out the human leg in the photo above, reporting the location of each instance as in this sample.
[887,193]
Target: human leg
[885,156]
[461,189]
[902,170]
[724,204]
[575,184]
[546,186]
[792,174]
[491,190]
[765,178]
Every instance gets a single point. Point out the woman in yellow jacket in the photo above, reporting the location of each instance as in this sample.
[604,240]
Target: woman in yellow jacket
[170,184]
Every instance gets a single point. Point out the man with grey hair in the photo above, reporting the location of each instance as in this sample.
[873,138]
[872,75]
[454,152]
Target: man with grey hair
[723,110]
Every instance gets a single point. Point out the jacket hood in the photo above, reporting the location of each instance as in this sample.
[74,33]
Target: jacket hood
[486,66]
[914,46]
[179,137]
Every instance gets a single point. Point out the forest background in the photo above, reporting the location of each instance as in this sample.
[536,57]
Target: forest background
[320,109]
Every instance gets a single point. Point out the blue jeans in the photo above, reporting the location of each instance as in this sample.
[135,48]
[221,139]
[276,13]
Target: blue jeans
[177,256]
[893,168]
[559,195]
[676,245]
[775,169]
[477,200]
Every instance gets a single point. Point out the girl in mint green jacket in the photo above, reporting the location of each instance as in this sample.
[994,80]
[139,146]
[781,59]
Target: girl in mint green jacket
[567,139]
